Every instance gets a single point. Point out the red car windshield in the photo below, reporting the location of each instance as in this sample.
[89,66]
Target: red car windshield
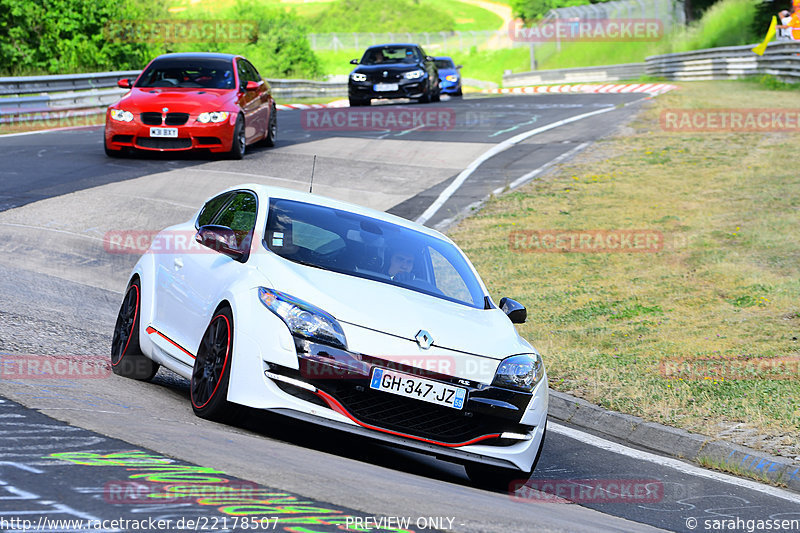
[190,74]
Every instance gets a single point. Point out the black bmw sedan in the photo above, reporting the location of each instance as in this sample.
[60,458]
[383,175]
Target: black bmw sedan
[394,71]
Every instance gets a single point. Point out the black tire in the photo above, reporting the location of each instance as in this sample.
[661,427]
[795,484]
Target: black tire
[239,143]
[356,102]
[506,480]
[127,359]
[426,97]
[437,96]
[458,92]
[272,128]
[212,368]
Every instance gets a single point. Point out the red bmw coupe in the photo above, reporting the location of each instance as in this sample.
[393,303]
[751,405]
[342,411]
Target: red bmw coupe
[196,101]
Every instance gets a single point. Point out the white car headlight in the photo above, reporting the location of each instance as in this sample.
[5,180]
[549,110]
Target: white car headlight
[357,76]
[302,318]
[520,372]
[214,116]
[121,115]
[451,77]
[414,74]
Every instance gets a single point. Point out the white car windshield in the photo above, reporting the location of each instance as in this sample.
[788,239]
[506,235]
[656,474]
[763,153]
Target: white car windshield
[365,247]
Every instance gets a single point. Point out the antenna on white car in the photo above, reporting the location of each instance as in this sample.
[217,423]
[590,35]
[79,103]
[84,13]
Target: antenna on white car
[313,166]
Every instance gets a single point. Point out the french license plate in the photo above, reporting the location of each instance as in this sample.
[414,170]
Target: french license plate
[418,388]
[386,87]
[163,132]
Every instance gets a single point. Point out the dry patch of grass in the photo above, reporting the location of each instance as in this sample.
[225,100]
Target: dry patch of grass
[724,288]
[53,123]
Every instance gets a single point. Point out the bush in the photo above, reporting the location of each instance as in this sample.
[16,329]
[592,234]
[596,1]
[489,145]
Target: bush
[281,49]
[64,36]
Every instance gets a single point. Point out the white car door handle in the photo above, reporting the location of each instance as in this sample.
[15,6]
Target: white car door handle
[178,263]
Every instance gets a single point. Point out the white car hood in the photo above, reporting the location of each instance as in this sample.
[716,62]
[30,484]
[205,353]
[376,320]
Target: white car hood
[398,311]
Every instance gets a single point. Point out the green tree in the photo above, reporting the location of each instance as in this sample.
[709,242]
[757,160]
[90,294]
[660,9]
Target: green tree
[61,36]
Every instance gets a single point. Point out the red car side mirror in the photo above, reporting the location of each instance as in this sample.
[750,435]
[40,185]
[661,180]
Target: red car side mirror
[253,85]
[124,83]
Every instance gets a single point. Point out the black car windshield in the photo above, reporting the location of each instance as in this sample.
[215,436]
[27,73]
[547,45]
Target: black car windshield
[445,63]
[365,247]
[391,54]
[202,73]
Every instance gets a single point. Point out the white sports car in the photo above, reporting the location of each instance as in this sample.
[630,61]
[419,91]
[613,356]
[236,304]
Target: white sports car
[339,315]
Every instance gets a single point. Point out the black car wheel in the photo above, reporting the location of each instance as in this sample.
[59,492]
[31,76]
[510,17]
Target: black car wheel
[357,102]
[127,359]
[239,144]
[212,368]
[426,97]
[272,129]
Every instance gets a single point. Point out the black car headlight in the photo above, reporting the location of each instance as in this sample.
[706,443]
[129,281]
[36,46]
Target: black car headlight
[519,372]
[414,74]
[302,318]
[357,76]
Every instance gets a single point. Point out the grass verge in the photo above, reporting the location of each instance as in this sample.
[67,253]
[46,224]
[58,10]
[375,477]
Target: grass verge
[723,289]
[720,466]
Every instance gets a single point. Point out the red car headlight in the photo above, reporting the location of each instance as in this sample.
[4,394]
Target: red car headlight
[214,116]
[121,115]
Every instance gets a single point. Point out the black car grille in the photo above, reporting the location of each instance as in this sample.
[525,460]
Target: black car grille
[149,142]
[151,119]
[176,119]
[414,417]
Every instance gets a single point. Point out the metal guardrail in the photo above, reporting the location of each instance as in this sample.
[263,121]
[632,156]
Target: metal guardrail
[626,71]
[32,98]
[781,59]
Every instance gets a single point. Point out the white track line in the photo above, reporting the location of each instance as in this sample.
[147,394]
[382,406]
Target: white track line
[493,151]
[532,174]
[680,466]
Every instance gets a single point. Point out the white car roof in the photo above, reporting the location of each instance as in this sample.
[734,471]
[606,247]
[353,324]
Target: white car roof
[267,191]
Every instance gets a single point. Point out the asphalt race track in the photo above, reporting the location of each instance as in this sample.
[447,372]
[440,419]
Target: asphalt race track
[86,448]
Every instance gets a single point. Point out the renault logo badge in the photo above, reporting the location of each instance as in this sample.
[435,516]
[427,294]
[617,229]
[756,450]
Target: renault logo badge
[424,339]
